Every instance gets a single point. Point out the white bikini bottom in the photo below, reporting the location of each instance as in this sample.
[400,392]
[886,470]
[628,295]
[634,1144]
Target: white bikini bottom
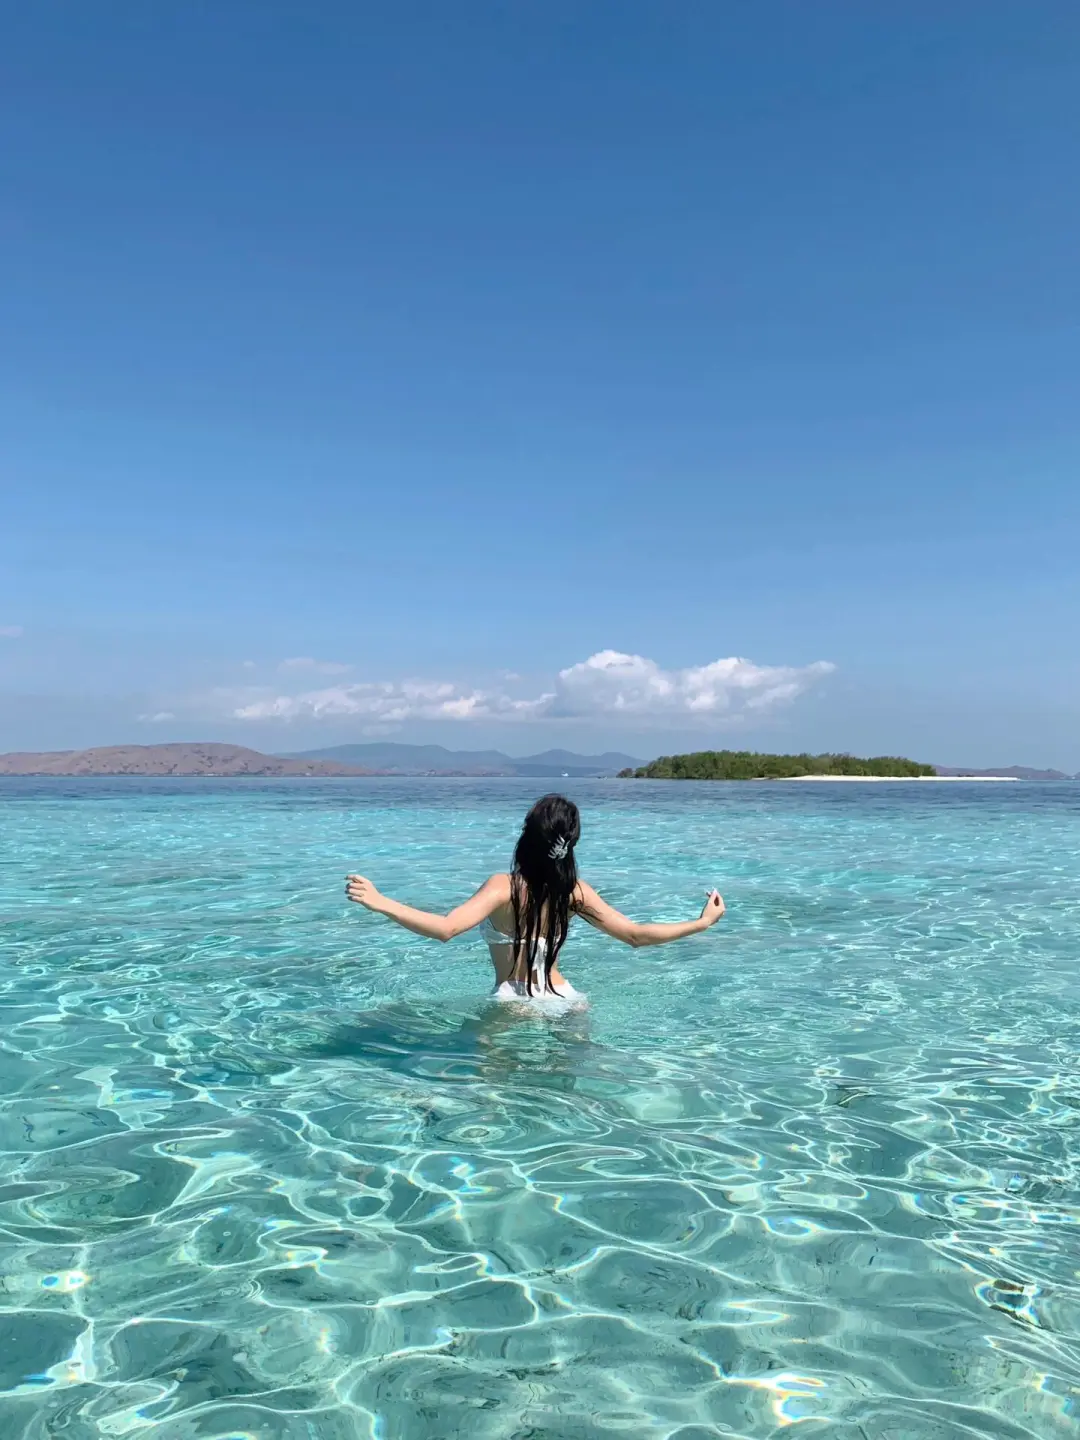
[561,995]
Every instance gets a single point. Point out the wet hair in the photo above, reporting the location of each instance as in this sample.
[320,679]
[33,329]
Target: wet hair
[543,881]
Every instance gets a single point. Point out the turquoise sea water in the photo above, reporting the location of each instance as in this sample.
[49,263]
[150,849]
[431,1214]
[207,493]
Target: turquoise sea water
[270,1166]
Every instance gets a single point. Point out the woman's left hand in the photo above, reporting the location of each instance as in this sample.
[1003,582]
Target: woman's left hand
[362,892]
[714,908]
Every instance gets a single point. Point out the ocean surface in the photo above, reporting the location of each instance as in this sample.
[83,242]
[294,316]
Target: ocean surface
[270,1166]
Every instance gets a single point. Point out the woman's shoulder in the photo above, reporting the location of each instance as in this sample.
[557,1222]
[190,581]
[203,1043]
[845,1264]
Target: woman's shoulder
[498,884]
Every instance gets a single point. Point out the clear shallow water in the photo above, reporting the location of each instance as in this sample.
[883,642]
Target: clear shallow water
[272,1167]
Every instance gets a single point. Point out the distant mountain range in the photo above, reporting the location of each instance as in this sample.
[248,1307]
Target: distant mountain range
[1014,772]
[209,758]
[195,759]
[395,759]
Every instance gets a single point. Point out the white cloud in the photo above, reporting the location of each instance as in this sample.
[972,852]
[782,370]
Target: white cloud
[386,702]
[608,685]
[315,667]
[11,632]
[157,717]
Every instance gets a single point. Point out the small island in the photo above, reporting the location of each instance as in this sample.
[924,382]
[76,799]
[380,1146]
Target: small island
[750,765]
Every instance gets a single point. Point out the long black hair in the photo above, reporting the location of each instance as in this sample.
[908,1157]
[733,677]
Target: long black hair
[543,881]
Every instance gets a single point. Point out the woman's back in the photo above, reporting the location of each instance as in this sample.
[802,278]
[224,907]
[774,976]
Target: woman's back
[514,974]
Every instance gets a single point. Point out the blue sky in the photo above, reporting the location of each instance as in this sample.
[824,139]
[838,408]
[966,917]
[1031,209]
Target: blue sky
[442,348]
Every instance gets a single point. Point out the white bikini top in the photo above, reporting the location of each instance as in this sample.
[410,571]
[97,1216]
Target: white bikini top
[494,936]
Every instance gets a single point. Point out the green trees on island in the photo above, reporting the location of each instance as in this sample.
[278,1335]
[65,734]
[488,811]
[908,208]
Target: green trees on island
[749,765]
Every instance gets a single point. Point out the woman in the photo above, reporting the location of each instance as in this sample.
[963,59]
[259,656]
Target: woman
[526,914]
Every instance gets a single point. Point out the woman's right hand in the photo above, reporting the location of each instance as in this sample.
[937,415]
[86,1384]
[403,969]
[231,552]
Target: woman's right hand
[714,908]
[362,892]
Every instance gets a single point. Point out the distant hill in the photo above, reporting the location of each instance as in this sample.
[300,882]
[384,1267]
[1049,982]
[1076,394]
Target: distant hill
[1014,772]
[397,759]
[195,759]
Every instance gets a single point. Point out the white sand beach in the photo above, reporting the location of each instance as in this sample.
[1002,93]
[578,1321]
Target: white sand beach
[907,779]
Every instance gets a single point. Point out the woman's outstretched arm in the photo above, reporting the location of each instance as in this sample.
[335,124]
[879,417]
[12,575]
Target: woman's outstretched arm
[605,917]
[488,898]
